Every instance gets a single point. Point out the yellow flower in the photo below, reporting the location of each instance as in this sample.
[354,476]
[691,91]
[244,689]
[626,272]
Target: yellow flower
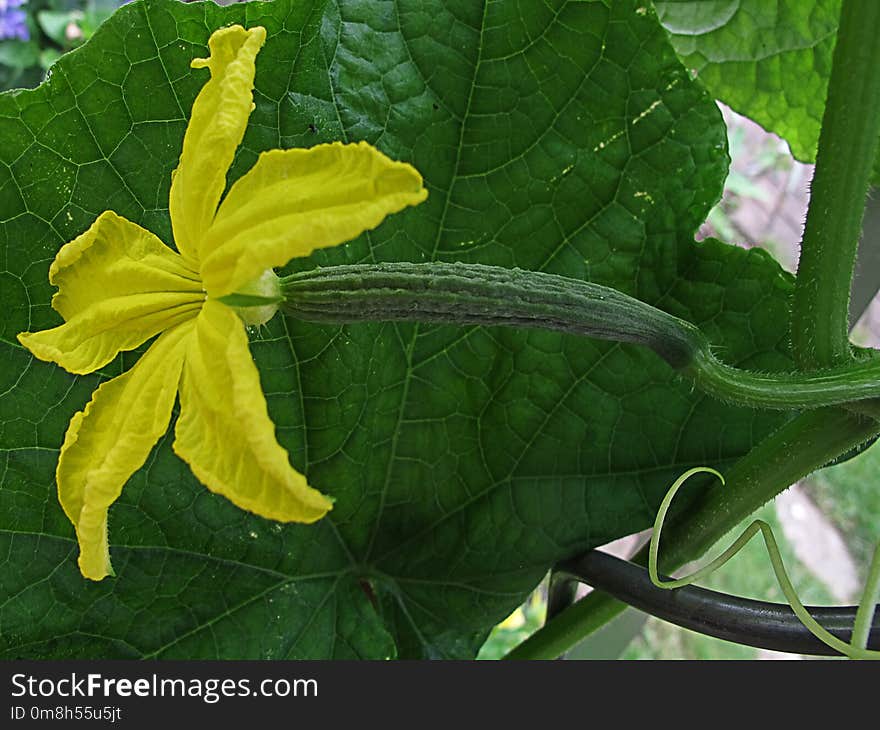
[119,285]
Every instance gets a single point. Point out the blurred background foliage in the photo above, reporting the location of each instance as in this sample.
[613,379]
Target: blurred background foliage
[34,33]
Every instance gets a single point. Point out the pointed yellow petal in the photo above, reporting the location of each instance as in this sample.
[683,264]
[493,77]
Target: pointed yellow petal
[111,439]
[118,285]
[93,338]
[224,432]
[115,257]
[216,127]
[295,201]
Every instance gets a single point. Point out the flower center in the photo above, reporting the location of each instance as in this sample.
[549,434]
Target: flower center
[257,301]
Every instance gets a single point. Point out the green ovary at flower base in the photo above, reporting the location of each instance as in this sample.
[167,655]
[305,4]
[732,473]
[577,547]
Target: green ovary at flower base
[119,285]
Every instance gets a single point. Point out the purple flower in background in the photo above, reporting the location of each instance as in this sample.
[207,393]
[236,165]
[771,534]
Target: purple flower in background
[13,21]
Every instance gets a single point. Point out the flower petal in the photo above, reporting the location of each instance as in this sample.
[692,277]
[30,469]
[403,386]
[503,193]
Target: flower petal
[90,340]
[118,286]
[295,201]
[224,432]
[111,439]
[216,127]
[115,257]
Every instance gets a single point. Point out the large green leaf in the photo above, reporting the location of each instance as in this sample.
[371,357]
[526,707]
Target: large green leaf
[561,136]
[768,60]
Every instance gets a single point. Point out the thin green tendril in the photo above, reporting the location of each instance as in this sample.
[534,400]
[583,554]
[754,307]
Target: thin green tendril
[854,650]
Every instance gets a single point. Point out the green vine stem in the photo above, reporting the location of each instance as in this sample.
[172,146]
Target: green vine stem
[488,295]
[870,599]
[847,149]
[802,445]
[569,628]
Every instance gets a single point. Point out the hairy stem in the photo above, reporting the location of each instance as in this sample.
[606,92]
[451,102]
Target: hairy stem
[847,149]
